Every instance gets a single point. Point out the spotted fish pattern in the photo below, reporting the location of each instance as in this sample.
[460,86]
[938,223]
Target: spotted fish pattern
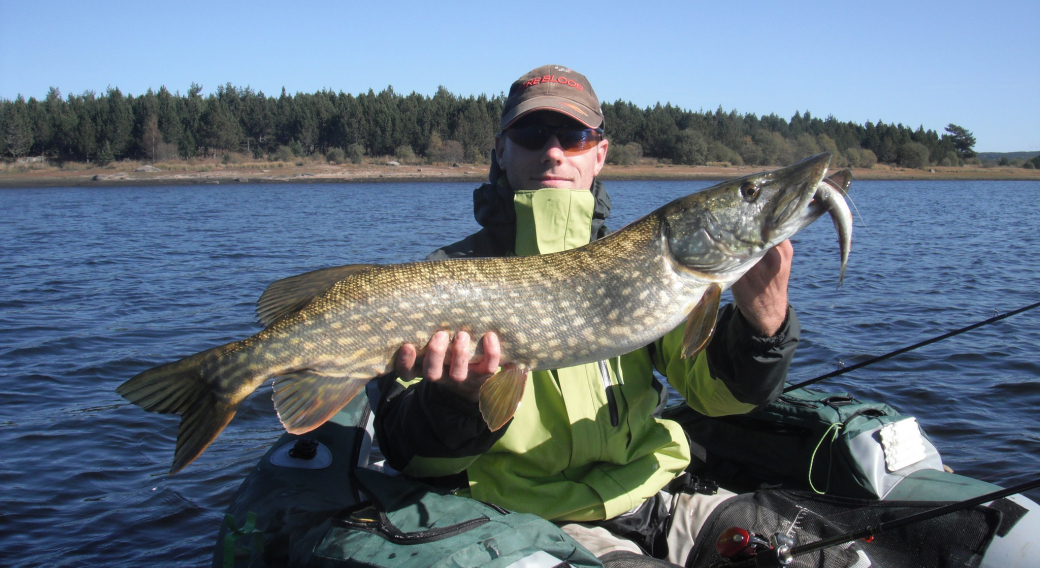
[330,331]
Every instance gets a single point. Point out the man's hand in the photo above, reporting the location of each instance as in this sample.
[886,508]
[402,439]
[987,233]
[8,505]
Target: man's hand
[446,361]
[761,294]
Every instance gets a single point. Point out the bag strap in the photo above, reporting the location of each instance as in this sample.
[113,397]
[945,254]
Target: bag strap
[836,428]
[235,533]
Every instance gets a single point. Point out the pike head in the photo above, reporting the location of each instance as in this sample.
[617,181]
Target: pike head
[718,234]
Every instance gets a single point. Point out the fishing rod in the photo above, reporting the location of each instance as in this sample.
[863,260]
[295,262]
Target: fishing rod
[879,358]
[754,551]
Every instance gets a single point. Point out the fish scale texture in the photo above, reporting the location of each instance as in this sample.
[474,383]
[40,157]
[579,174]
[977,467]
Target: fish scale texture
[549,311]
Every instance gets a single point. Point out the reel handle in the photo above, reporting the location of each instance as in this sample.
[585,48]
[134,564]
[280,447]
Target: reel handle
[742,548]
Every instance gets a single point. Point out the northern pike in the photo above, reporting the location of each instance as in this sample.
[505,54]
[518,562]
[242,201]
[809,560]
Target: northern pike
[330,331]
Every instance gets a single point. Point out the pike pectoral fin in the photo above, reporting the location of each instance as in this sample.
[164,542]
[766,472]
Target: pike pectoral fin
[306,399]
[500,395]
[701,322]
[290,295]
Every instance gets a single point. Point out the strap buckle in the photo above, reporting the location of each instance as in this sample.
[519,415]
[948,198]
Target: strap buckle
[690,484]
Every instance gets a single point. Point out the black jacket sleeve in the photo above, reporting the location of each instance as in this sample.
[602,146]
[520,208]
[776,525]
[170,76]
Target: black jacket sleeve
[753,368]
[428,421]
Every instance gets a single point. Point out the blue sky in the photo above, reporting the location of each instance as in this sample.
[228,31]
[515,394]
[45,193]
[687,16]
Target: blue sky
[916,63]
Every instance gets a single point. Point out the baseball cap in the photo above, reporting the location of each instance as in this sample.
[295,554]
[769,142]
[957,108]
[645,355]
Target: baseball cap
[555,88]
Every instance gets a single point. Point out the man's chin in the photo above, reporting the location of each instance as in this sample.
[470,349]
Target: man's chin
[555,183]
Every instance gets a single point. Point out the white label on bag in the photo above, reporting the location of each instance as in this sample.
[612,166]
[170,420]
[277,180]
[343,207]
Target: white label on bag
[902,444]
[540,559]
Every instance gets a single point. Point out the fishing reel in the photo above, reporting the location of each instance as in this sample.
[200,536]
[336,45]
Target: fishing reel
[738,547]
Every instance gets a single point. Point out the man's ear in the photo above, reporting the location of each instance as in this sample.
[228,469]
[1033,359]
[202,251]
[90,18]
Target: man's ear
[601,154]
[500,145]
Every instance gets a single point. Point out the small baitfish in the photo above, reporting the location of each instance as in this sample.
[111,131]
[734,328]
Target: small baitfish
[330,331]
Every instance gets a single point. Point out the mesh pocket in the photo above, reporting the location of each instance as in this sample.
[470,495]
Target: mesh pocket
[956,539]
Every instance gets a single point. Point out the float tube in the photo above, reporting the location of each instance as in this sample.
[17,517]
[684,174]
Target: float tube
[810,465]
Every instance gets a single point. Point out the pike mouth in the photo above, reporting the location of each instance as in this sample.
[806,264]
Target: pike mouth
[794,208]
[829,198]
[822,202]
[796,202]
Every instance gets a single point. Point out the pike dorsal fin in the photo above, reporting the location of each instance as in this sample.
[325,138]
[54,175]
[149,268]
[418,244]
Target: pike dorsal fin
[290,295]
[701,322]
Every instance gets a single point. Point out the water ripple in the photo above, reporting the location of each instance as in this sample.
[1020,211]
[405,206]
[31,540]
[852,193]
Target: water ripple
[98,284]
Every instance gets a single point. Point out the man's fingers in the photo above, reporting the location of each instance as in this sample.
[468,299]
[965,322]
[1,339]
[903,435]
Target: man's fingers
[451,357]
[404,362]
[489,363]
[433,359]
[458,368]
[448,357]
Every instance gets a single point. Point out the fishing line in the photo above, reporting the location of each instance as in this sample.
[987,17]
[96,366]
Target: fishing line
[879,358]
[859,215]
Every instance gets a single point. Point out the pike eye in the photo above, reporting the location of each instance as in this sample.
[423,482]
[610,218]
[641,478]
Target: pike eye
[749,191]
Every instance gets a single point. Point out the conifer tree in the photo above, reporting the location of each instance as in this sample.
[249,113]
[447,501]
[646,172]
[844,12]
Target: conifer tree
[962,139]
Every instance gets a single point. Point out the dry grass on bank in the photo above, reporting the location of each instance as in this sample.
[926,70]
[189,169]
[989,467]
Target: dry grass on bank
[239,168]
[244,168]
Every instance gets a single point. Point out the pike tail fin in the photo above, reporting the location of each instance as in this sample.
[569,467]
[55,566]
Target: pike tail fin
[181,387]
[500,395]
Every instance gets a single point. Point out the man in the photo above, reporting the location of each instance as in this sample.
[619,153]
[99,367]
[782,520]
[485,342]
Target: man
[584,449]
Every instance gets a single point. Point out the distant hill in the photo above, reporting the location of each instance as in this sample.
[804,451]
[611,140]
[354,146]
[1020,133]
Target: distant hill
[987,156]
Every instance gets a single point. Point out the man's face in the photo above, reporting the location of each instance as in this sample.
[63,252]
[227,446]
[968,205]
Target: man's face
[549,166]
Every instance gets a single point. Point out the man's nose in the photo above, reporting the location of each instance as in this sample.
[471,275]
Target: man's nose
[552,150]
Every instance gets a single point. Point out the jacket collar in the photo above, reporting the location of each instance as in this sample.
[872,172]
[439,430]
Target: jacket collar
[493,209]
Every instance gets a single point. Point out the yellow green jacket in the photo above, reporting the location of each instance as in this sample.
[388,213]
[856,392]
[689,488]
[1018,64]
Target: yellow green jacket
[584,444]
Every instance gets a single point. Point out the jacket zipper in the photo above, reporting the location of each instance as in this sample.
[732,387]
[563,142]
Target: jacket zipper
[608,386]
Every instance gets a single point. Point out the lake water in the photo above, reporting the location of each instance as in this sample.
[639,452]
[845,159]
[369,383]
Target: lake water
[98,284]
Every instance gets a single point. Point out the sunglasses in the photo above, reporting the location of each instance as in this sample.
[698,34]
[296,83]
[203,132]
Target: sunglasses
[572,140]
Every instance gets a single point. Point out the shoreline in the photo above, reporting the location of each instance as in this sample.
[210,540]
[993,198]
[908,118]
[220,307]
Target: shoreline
[214,173]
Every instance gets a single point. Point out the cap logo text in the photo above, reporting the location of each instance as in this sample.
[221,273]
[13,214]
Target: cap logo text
[553,79]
